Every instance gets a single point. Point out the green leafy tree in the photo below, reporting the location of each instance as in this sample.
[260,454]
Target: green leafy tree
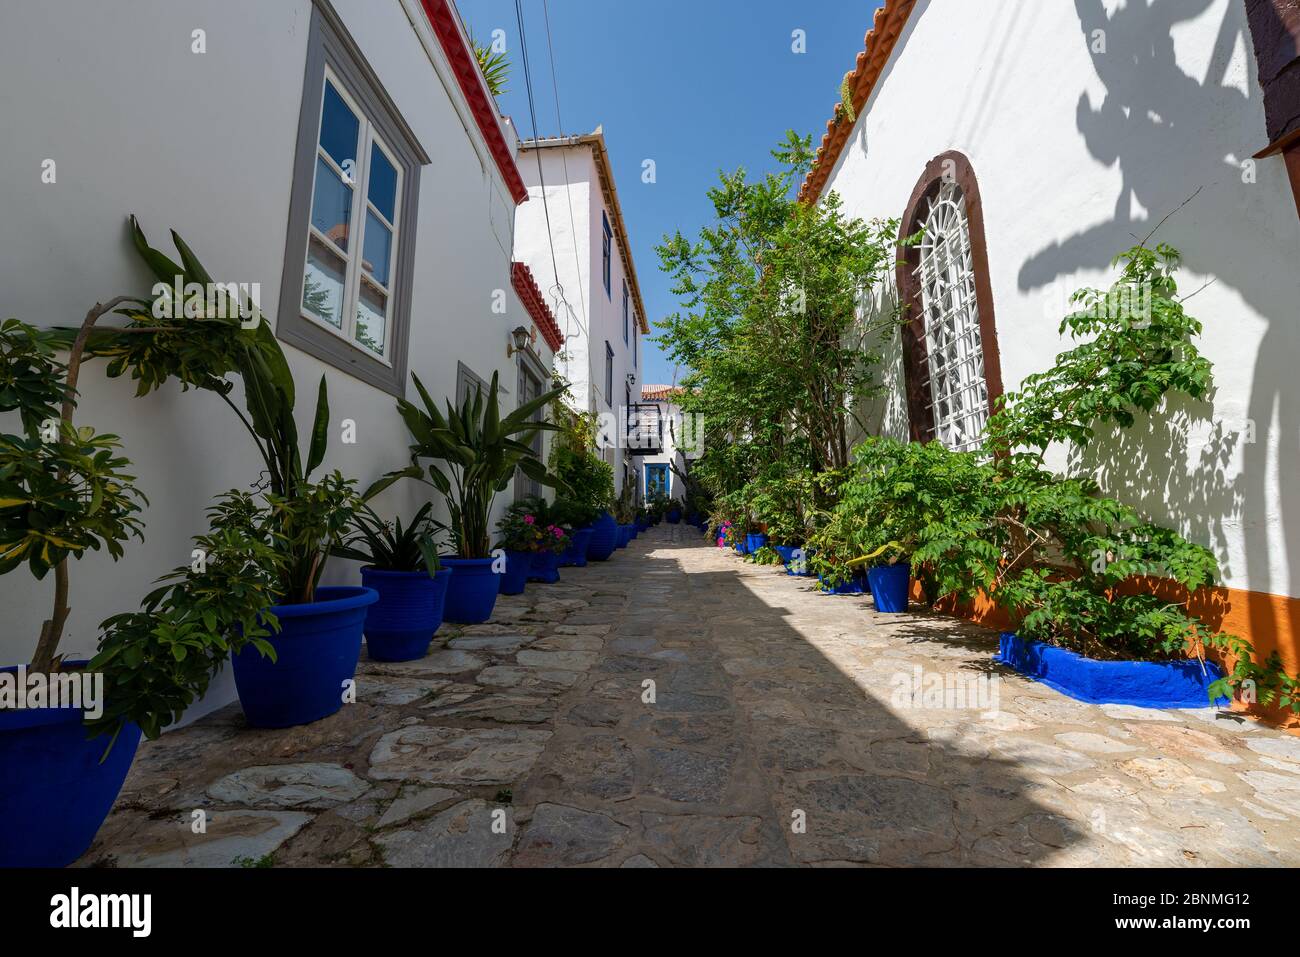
[771,326]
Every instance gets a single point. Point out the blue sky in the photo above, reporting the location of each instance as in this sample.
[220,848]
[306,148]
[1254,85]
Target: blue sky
[695,85]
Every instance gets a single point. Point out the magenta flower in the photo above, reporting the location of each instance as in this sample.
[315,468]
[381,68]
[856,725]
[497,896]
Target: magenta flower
[528,520]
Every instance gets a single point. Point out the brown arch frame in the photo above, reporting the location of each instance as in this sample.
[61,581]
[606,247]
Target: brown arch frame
[915,359]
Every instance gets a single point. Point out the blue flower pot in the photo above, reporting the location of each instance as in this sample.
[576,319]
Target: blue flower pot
[674,516]
[604,538]
[576,554]
[786,552]
[518,565]
[316,652]
[400,626]
[472,594]
[889,586]
[56,793]
[854,586]
[621,539]
[545,568]
[754,541]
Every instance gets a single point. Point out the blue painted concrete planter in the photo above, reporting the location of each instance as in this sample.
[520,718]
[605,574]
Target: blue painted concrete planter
[1144,684]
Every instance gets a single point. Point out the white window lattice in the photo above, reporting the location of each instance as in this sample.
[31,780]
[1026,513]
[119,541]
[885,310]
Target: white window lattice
[959,398]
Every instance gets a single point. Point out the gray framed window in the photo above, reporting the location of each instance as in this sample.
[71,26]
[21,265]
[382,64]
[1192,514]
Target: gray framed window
[606,252]
[467,383]
[345,295]
[609,374]
[531,376]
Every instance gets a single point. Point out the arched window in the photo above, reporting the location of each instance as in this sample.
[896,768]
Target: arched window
[950,341]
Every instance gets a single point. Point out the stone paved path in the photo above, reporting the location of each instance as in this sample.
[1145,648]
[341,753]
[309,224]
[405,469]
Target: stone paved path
[783,730]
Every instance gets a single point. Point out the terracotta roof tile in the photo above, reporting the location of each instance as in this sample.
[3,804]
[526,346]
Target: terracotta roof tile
[521,277]
[878,45]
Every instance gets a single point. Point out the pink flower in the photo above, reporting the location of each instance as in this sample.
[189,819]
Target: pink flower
[528,520]
[559,532]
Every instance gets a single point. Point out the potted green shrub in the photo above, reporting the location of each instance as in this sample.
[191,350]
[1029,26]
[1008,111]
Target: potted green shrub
[64,490]
[587,481]
[579,518]
[298,674]
[475,453]
[401,565]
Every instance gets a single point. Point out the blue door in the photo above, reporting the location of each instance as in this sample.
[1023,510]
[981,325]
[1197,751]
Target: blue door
[657,479]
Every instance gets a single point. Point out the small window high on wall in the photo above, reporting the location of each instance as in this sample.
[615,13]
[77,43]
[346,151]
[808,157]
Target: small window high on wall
[951,358]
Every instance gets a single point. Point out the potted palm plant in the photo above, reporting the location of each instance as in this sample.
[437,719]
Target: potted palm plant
[475,453]
[401,565]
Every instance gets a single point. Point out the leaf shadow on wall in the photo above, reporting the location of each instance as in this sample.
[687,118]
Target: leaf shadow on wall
[1154,124]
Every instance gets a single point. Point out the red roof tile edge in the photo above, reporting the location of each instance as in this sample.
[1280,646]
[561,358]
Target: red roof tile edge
[521,277]
[446,27]
[877,48]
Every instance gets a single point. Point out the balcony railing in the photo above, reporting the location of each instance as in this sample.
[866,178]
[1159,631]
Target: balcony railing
[645,429]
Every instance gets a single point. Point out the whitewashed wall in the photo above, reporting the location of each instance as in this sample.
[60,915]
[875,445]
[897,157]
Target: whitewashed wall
[205,143]
[1079,156]
[588,315]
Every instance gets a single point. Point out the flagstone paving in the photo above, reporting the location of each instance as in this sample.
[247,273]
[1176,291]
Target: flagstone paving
[675,706]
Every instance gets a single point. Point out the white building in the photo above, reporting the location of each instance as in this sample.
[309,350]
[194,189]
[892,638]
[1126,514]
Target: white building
[1044,138]
[349,145]
[573,236]
[681,442]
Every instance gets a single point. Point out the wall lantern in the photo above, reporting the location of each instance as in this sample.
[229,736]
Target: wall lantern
[521,339]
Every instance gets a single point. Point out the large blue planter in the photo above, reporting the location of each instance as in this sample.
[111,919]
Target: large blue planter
[472,594]
[754,541]
[604,538]
[400,626]
[889,586]
[800,569]
[545,568]
[55,792]
[786,552]
[576,554]
[316,652]
[518,565]
[674,516]
[1144,684]
[624,536]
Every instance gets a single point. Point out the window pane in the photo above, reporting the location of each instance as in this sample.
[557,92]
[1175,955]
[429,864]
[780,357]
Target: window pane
[371,306]
[378,247]
[331,205]
[383,183]
[339,128]
[322,285]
